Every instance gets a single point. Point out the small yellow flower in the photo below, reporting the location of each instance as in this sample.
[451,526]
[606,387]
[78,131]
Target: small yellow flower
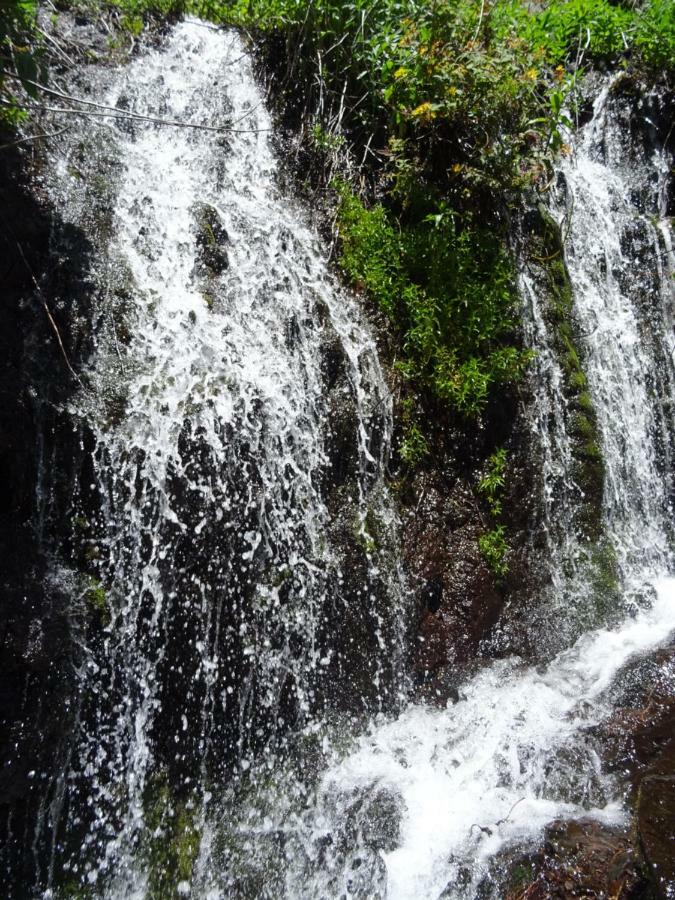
[424,111]
[559,73]
[452,90]
[457,168]
[532,74]
[401,72]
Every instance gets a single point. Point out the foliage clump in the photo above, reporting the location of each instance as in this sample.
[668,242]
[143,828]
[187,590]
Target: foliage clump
[448,286]
[19,53]
[454,108]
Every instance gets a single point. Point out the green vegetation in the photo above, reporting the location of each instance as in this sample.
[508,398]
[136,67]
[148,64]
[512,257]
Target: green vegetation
[449,291]
[97,600]
[171,841]
[414,446]
[18,54]
[596,31]
[493,545]
[494,548]
[491,485]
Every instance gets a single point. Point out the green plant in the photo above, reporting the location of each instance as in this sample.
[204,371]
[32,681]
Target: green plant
[449,289]
[414,446]
[19,58]
[491,485]
[170,842]
[97,600]
[494,548]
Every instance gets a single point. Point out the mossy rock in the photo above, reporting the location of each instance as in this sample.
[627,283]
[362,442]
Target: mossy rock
[211,239]
[547,253]
[171,841]
[97,600]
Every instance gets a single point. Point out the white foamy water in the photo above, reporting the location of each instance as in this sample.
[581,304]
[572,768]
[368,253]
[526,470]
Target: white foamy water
[494,768]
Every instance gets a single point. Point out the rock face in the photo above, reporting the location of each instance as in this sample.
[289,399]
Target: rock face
[579,859]
[35,629]
[458,599]
[211,238]
[656,825]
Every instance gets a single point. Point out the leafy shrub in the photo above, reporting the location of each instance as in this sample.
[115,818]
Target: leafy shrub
[450,293]
[654,36]
[18,54]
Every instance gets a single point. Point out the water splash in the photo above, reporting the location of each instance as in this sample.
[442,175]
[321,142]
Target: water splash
[228,366]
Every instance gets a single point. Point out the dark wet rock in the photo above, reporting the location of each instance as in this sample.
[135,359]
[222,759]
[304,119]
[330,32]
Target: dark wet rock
[380,820]
[38,446]
[656,824]
[458,599]
[211,239]
[580,858]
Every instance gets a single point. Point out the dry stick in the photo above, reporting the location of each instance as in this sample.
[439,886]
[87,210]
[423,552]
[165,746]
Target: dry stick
[49,316]
[365,152]
[486,830]
[57,46]
[480,21]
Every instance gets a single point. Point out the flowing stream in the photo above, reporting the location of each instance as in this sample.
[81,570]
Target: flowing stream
[241,427]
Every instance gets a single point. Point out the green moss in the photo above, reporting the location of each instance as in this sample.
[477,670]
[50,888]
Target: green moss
[97,600]
[582,401]
[520,876]
[588,467]
[171,840]
[71,890]
[282,576]
[582,429]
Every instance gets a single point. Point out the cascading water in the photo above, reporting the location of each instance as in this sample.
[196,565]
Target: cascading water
[486,774]
[235,395]
[620,261]
[213,757]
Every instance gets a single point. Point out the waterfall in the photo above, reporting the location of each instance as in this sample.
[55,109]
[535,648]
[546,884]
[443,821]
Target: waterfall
[463,785]
[618,252]
[243,722]
[244,543]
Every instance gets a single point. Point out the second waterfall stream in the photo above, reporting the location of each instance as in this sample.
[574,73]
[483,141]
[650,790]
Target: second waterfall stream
[244,726]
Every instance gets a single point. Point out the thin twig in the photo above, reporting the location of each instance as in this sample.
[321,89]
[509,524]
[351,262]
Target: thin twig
[136,118]
[33,137]
[49,316]
[59,48]
[480,21]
